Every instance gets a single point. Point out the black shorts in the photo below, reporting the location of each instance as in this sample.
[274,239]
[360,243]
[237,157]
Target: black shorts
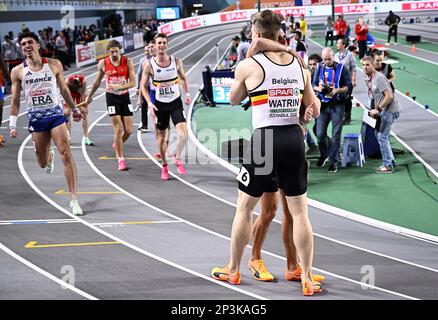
[119,105]
[275,155]
[169,110]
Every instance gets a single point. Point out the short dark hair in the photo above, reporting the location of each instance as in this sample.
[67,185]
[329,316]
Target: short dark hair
[161,35]
[268,23]
[316,57]
[28,35]
[376,52]
[298,32]
[113,44]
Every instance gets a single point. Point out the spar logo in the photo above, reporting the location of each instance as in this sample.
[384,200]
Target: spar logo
[234,16]
[35,93]
[167,29]
[296,12]
[192,23]
[84,54]
[281,92]
[352,9]
[429,5]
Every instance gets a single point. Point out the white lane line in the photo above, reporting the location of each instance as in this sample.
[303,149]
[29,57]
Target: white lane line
[412,56]
[67,221]
[46,274]
[134,223]
[35,221]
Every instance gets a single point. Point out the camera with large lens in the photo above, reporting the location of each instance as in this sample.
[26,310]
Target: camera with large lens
[326,89]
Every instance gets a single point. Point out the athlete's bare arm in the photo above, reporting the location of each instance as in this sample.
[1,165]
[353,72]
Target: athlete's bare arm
[97,81]
[263,44]
[139,91]
[310,101]
[15,102]
[147,73]
[183,78]
[242,74]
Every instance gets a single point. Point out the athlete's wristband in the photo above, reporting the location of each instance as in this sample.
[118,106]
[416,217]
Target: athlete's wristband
[12,122]
[188,94]
[74,110]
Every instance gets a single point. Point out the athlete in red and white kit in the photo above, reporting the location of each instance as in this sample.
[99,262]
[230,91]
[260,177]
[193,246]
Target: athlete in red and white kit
[77,85]
[120,76]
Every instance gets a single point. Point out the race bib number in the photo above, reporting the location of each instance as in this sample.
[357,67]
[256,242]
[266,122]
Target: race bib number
[243,176]
[111,110]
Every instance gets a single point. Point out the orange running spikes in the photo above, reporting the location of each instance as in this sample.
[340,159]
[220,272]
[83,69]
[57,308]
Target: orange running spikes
[309,288]
[296,275]
[223,274]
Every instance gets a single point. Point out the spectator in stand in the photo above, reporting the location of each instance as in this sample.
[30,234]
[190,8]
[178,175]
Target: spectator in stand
[110,32]
[77,36]
[340,27]
[61,50]
[10,52]
[361,30]
[303,27]
[329,27]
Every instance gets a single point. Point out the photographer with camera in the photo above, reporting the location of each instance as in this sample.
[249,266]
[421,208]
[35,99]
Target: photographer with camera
[385,108]
[331,82]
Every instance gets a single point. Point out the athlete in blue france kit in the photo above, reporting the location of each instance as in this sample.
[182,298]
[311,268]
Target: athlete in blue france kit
[40,79]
